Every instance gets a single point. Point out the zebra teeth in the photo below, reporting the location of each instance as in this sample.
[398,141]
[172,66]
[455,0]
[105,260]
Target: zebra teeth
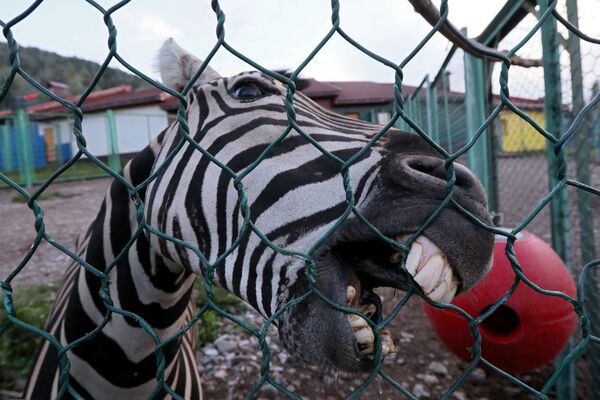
[431,270]
[350,295]
[365,337]
[357,322]
[387,343]
[414,257]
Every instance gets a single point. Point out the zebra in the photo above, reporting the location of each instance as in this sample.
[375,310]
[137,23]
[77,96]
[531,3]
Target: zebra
[294,196]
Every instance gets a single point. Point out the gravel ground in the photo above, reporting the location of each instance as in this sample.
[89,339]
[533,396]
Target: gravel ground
[68,209]
[231,365]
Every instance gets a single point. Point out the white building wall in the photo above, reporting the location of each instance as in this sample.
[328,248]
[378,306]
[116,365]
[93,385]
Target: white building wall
[135,127]
[94,128]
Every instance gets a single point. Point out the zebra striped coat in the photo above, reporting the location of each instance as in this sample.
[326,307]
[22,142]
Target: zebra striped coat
[294,195]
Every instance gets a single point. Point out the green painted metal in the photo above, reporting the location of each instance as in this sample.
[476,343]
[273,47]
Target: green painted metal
[432,111]
[583,154]
[26,170]
[448,125]
[510,15]
[559,206]
[112,140]
[475,95]
[410,110]
[479,127]
[6,147]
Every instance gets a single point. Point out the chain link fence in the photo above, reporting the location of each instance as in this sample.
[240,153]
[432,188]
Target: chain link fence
[522,150]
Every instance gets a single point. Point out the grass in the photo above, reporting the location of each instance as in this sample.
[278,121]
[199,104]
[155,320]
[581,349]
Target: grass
[32,304]
[208,328]
[82,169]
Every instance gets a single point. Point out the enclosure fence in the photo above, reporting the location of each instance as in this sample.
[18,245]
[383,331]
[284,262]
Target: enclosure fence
[406,114]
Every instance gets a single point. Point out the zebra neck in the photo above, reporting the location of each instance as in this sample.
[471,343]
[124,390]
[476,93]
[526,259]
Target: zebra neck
[142,282]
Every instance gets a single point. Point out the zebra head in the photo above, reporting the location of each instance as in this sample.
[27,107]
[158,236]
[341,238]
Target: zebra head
[293,198]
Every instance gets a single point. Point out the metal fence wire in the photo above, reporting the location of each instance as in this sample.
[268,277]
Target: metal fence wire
[556,138]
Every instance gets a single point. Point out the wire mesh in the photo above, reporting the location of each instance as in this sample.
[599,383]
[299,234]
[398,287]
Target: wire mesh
[558,141]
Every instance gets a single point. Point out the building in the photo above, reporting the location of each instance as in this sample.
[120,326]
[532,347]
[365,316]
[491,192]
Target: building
[122,121]
[116,120]
[369,101]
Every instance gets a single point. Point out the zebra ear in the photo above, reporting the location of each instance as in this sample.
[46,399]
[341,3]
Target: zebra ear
[177,66]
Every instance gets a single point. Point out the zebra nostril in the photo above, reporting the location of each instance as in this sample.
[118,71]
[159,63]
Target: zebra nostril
[429,171]
[428,166]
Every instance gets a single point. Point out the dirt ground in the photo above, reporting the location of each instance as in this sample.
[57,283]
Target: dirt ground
[68,207]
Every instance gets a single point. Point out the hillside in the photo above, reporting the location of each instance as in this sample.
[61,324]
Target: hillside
[47,66]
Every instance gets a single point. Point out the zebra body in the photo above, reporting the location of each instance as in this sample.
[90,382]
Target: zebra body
[294,197]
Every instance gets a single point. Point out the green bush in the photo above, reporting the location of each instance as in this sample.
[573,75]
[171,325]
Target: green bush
[32,304]
[209,325]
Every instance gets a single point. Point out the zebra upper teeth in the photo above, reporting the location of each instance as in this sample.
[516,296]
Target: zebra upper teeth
[430,269]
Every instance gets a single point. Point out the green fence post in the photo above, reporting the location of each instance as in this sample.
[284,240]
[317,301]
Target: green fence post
[409,112]
[445,90]
[475,95]
[114,159]
[6,148]
[565,387]
[26,170]
[419,110]
[583,154]
[372,116]
[432,111]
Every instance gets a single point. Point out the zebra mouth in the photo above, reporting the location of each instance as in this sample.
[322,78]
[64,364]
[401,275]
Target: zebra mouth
[376,264]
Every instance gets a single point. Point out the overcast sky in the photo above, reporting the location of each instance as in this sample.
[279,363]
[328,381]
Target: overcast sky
[275,33]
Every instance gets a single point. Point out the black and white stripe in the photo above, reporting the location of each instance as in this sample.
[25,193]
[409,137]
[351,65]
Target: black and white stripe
[294,195]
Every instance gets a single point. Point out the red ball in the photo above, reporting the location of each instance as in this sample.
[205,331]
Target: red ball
[530,329]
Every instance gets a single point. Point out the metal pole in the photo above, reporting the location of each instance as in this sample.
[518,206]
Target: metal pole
[25,150]
[409,112]
[6,148]
[446,89]
[565,387]
[432,112]
[114,160]
[584,147]
[475,95]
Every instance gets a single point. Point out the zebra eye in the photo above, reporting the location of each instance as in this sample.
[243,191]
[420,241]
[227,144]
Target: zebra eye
[247,91]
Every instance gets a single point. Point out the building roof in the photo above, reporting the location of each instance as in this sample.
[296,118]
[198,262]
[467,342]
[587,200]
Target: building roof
[116,97]
[354,93]
[339,93]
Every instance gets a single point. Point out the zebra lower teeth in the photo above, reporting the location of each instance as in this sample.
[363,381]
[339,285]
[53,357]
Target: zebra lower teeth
[365,337]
